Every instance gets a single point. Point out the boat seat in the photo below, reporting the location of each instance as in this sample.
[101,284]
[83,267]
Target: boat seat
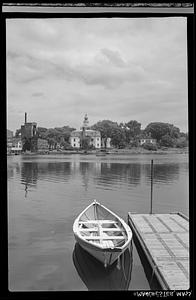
[108,244]
[94,229]
[113,229]
[98,221]
[111,237]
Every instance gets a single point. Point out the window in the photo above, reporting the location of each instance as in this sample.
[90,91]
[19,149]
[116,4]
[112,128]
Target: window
[97,145]
[97,139]
[74,140]
[74,145]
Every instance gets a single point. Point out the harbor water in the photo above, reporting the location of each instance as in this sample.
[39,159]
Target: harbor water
[47,192]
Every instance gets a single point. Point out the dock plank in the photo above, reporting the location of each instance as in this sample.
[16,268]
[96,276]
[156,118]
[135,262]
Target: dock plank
[164,238]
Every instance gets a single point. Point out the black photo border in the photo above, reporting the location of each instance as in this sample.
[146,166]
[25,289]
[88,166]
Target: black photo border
[4,291]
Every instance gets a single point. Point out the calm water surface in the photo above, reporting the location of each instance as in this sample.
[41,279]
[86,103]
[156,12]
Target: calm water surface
[46,193]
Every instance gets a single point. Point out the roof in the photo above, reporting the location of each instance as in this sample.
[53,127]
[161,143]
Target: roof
[76,133]
[30,123]
[89,132]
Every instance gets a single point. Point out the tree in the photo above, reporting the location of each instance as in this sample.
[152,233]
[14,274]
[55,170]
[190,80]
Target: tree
[41,132]
[167,141]
[149,146]
[182,142]
[105,127]
[66,145]
[118,138]
[18,132]
[132,130]
[134,143]
[26,145]
[56,135]
[159,129]
[174,131]
[52,143]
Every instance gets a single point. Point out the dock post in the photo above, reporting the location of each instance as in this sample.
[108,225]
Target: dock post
[151,186]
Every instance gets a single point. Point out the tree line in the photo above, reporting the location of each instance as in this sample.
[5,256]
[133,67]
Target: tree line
[128,134]
[122,135]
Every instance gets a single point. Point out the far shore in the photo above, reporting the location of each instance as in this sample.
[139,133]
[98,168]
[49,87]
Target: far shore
[114,151]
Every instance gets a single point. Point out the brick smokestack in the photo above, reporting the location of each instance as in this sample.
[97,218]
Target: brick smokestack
[25,118]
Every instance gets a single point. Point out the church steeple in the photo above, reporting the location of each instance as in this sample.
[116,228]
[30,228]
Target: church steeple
[85,125]
[85,122]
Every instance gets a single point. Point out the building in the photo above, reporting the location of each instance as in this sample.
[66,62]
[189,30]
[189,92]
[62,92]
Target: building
[29,135]
[9,140]
[93,137]
[30,139]
[16,145]
[147,141]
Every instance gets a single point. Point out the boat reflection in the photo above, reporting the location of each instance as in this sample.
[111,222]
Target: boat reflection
[96,277]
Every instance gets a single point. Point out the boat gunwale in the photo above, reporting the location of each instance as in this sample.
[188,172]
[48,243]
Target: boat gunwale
[97,246]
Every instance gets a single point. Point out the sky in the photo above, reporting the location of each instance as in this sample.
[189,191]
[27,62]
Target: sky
[119,69]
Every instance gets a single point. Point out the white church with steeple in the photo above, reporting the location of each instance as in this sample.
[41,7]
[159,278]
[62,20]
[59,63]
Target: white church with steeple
[85,131]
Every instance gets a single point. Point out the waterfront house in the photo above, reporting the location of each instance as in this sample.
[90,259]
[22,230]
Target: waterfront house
[16,145]
[147,140]
[93,136]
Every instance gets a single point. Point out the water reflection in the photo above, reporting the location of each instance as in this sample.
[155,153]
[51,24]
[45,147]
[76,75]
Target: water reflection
[164,173]
[29,175]
[149,272]
[96,277]
[10,172]
[103,173]
[32,171]
[112,173]
[12,167]
[85,170]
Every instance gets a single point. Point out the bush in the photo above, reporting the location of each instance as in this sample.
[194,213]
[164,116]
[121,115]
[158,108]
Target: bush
[167,141]
[92,147]
[181,142]
[66,146]
[121,145]
[133,143]
[149,146]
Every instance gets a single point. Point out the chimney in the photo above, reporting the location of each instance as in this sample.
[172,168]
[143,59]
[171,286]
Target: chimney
[25,118]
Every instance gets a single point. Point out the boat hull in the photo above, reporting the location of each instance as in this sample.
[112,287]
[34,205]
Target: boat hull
[96,277]
[105,257]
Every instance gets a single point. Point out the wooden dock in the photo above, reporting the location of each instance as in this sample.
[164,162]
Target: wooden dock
[164,238]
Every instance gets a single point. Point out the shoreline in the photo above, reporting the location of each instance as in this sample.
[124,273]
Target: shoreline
[111,152]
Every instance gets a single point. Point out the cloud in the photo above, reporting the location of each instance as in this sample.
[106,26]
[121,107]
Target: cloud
[111,68]
[37,94]
[110,73]
[114,57]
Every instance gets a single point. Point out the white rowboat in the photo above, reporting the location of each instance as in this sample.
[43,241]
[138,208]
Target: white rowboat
[102,233]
